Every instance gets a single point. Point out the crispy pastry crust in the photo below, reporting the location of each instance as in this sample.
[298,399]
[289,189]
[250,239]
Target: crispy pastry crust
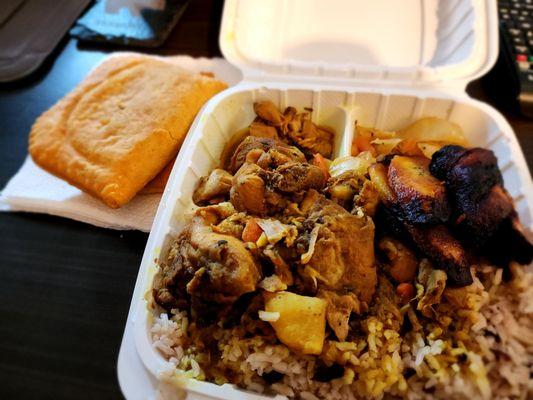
[120,126]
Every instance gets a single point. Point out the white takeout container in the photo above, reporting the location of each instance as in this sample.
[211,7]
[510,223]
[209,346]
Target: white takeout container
[384,63]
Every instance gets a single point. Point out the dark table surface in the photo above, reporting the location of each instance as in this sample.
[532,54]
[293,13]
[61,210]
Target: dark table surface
[65,287]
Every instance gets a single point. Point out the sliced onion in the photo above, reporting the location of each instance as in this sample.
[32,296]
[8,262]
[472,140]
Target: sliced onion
[358,164]
[434,129]
[430,147]
[385,146]
[306,257]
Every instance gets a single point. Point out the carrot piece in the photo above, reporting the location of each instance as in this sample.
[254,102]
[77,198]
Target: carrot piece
[406,292]
[320,162]
[251,231]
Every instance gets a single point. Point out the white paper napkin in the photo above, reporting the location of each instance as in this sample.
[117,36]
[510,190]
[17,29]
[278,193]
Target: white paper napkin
[34,190]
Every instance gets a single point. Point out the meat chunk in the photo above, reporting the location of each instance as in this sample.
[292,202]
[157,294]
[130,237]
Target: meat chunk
[267,111]
[205,270]
[295,127]
[485,211]
[422,197]
[446,251]
[434,241]
[276,152]
[294,177]
[342,260]
[248,189]
[313,138]
[338,311]
[216,185]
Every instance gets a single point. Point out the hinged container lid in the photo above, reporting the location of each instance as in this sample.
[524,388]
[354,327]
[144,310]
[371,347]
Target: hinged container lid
[428,43]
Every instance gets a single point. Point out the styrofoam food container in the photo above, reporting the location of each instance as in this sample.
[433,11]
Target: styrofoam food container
[390,102]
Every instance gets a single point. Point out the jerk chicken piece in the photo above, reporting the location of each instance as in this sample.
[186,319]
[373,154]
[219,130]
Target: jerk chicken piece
[342,264]
[485,211]
[205,270]
[435,241]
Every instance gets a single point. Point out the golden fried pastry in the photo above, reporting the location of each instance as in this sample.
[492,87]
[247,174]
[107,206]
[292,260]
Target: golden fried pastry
[157,185]
[121,126]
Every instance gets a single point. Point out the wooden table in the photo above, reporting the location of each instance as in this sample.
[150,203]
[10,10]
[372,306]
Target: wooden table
[65,287]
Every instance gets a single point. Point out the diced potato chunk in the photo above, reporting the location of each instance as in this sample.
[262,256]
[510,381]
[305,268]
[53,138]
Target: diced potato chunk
[302,320]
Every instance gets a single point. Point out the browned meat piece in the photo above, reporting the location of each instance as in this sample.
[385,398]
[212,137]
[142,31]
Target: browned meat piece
[435,242]
[340,307]
[248,189]
[277,152]
[485,210]
[259,129]
[248,144]
[471,176]
[402,262]
[269,112]
[313,138]
[421,196]
[446,251]
[296,127]
[294,177]
[206,268]
[216,185]
[343,255]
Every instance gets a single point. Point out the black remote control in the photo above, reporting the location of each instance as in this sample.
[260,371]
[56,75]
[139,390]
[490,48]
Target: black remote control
[511,80]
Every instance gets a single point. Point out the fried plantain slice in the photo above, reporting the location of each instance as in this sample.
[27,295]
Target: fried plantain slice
[421,196]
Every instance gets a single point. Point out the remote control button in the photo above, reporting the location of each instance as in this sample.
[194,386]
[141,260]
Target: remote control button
[514,12]
[530,77]
[518,41]
[515,32]
[525,25]
[523,66]
[530,59]
[521,50]
[521,58]
[521,18]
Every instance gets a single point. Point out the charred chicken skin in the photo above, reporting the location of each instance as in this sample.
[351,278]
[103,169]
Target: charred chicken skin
[484,211]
